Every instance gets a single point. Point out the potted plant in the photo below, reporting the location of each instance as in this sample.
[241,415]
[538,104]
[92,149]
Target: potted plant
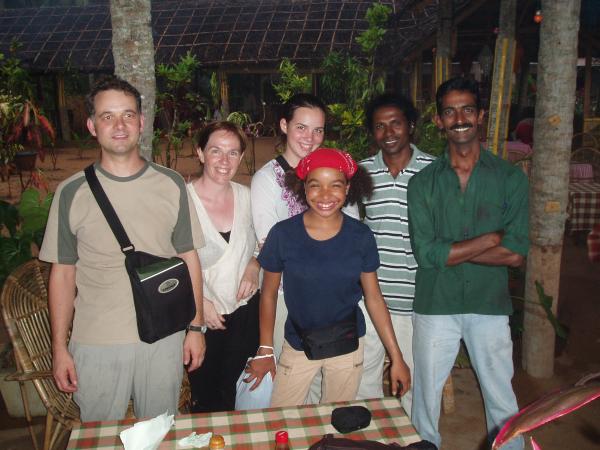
[29,128]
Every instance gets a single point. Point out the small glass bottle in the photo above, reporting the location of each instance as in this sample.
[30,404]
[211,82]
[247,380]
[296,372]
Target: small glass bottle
[216,442]
[282,440]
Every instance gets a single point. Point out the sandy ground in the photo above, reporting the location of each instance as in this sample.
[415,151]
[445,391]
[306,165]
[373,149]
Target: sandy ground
[464,429]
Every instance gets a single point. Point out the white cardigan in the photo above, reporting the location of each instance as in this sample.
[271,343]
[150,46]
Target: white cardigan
[223,264]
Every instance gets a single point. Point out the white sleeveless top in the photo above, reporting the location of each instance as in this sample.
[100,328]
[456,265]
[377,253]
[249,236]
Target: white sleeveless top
[223,264]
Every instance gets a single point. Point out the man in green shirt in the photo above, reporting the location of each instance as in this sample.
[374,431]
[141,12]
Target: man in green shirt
[468,221]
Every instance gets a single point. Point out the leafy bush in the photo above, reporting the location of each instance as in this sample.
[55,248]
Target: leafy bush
[22,227]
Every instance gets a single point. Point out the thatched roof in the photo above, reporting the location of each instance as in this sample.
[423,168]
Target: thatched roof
[245,34]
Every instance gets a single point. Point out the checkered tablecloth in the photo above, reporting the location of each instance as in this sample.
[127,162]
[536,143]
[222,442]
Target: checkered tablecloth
[584,205]
[256,429]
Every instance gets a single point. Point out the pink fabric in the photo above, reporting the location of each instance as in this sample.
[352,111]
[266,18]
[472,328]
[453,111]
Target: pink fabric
[581,171]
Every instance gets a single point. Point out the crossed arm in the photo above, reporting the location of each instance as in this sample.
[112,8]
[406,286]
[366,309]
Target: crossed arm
[485,249]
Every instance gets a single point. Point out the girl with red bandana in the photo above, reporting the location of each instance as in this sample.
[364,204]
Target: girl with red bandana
[327,261]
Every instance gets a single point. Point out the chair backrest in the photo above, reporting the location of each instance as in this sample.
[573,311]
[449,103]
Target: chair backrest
[588,155]
[24,303]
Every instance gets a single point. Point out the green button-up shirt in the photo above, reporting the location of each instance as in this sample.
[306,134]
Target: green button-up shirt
[440,214]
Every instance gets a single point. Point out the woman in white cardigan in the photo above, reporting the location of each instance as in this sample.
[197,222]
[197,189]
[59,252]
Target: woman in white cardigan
[229,269]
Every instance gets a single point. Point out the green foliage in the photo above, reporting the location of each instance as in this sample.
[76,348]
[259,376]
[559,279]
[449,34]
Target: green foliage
[291,81]
[546,302]
[351,83]
[14,80]
[241,119]
[178,75]
[377,17]
[179,105]
[427,135]
[22,226]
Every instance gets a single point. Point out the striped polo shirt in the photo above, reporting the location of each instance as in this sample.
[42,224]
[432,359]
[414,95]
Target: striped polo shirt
[386,215]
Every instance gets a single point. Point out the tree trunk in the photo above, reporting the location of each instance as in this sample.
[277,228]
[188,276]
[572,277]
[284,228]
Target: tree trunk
[133,52]
[553,131]
[500,96]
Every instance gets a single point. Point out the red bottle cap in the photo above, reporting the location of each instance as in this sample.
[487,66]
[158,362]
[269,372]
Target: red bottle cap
[281,437]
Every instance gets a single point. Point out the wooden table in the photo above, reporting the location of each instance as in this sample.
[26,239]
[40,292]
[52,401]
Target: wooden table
[256,429]
[584,205]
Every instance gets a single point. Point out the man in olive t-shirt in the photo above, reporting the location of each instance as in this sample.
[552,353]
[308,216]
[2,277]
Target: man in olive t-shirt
[105,364]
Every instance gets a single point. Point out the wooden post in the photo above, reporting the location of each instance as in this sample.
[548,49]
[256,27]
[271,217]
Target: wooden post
[587,86]
[415,82]
[63,115]
[224,93]
[500,97]
[443,50]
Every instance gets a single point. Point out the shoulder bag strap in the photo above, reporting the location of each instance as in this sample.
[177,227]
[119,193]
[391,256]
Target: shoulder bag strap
[283,163]
[108,210]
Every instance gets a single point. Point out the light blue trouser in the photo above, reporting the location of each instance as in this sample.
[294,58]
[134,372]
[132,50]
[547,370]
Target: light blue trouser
[436,342]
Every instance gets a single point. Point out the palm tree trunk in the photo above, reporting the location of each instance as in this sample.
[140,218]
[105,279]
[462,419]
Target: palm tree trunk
[553,130]
[133,52]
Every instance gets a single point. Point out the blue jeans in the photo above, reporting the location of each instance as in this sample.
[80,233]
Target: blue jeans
[436,343]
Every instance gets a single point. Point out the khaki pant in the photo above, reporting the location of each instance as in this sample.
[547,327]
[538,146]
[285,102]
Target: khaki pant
[295,372]
[109,375]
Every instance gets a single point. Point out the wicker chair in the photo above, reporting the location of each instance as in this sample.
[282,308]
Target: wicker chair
[25,309]
[24,303]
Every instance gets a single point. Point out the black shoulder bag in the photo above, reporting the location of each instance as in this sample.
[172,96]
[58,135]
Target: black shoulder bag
[162,287]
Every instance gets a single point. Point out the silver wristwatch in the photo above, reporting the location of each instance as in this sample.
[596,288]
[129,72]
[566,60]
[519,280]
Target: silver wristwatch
[202,329]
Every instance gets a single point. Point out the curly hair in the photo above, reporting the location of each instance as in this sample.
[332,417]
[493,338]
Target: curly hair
[361,186]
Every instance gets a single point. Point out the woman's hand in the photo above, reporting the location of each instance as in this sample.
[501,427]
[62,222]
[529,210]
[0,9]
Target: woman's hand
[249,281]
[212,319]
[258,368]
[399,377]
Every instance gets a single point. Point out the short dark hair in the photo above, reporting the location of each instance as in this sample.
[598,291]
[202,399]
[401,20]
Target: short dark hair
[203,135]
[390,99]
[301,101]
[108,83]
[457,84]
[361,186]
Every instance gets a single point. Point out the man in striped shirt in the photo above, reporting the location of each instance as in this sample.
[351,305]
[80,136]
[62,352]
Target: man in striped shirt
[391,120]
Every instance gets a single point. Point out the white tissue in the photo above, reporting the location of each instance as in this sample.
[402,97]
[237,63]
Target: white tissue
[195,440]
[148,434]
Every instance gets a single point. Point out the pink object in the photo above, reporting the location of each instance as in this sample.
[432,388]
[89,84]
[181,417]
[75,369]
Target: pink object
[581,171]
[546,409]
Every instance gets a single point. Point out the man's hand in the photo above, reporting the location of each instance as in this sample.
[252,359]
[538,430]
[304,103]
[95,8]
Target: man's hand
[399,376]
[63,370]
[212,318]
[194,348]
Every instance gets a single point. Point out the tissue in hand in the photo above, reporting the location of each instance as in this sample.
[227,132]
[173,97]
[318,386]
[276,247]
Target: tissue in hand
[148,434]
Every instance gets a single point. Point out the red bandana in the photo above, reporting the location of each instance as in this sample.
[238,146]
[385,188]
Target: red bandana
[327,157]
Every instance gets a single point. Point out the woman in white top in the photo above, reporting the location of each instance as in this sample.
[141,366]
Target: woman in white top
[302,123]
[229,269]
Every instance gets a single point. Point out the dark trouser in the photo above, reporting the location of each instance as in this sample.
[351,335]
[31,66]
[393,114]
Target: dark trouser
[213,384]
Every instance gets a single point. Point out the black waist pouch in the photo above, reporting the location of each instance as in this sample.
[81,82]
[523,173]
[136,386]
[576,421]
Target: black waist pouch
[331,340]
[162,294]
